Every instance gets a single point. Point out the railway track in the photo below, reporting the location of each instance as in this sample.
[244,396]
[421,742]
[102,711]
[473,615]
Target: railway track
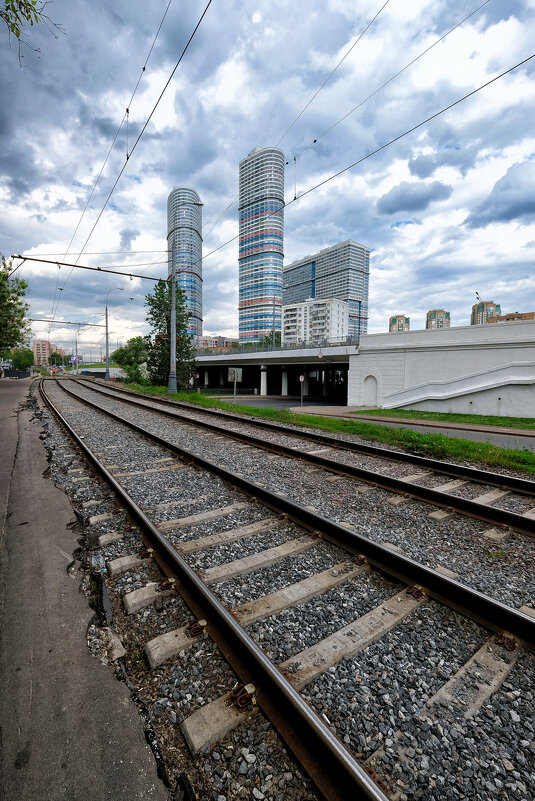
[297,618]
[376,496]
[338,456]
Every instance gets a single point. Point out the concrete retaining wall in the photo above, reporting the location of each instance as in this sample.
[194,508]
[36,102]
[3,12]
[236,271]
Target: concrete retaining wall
[478,369]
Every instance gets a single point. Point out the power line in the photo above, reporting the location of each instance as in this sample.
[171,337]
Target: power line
[54,310]
[328,78]
[414,128]
[383,147]
[146,123]
[85,267]
[107,252]
[64,322]
[406,67]
[217,217]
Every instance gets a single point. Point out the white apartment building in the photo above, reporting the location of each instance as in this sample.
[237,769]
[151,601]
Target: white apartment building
[315,321]
[340,271]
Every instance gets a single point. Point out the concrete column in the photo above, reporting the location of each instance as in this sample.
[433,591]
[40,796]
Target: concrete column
[263,380]
[305,382]
[206,379]
[221,377]
[284,389]
[324,383]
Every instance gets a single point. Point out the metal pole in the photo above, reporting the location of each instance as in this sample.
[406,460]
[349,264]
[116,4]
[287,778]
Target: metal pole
[171,387]
[107,373]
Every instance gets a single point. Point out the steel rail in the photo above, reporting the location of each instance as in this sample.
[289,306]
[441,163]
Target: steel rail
[522,485]
[333,769]
[485,610]
[490,514]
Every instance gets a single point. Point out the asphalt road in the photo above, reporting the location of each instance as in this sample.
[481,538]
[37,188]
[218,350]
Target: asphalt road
[69,730]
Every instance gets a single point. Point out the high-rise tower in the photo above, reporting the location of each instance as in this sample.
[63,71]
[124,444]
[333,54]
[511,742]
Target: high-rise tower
[261,243]
[340,271]
[184,242]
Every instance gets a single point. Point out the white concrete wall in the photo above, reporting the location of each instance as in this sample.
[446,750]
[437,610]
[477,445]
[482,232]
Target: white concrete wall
[465,369]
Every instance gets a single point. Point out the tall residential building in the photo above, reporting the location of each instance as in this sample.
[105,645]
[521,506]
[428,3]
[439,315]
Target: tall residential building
[437,318]
[42,349]
[261,245]
[483,310]
[340,271]
[184,242]
[398,324]
[315,321]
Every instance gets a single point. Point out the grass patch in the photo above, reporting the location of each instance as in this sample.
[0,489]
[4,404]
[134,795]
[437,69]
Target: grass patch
[472,419]
[434,446]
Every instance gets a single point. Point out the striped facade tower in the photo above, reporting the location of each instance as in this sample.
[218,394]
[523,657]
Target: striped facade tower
[184,242]
[261,212]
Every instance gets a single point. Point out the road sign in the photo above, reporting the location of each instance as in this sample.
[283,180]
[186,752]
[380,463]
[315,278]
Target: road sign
[301,378]
[235,374]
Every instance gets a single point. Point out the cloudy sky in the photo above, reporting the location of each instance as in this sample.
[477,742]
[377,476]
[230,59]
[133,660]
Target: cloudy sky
[446,211]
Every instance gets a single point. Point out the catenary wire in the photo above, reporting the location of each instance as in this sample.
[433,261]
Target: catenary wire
[379,88]
[382,147]
[217,217]
[146,124]
[143,69]
[328,78]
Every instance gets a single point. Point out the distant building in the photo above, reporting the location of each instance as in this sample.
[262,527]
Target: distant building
[184,242]
[399,323]
[215,343]
[483,311]
[508,318]
[261,243]
[437,318]
[315,321]
[341,272]
[42,349]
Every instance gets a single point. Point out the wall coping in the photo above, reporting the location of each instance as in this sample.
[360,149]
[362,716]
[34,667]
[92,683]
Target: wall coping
[518,333]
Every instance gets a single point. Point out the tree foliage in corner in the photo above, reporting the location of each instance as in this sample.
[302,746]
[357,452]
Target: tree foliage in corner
[158,352]
[14,328]
[130,357]
[18,14]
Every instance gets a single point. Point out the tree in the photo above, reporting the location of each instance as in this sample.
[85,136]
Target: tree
[57,358]
[130,357]
[20,13]
[158,351]
[267,341]
[21,358]
[14,328]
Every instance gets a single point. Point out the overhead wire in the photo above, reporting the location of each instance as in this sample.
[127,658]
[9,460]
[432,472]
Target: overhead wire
[143,69]
[146,124]
[328,78]
[382,147]
[379,88]
[219,216]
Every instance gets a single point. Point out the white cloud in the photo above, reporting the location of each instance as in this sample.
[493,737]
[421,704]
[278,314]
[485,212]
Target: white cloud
[244,80]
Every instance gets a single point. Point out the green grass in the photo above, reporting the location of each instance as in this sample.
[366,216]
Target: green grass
[472,419]
[434,446]
[89,366]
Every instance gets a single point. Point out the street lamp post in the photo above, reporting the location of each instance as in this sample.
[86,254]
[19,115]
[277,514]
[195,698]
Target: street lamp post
[107,373]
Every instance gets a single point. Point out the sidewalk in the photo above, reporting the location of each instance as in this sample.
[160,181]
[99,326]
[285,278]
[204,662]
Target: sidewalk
[70,731]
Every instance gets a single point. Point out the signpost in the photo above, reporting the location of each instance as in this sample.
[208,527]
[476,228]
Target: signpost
[302,382]
[235,374]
